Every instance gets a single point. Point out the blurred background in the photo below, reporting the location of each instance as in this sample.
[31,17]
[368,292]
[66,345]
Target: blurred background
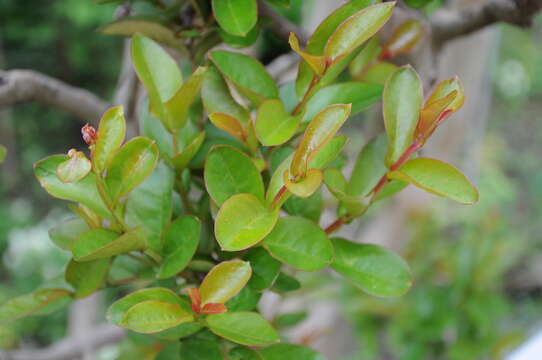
[477,292]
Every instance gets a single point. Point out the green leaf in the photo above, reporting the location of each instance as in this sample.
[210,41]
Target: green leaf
[286,283]
[118,309]
[374,269]
[201,349]
[65,233]
[306,186]
[109,138]
[316,62]
[246,300]
[217,97]
[179,331]
[151,28]
[83,191]
[299,243]
[243,353]
[239,42]
[265,268]
[247,74]
[3,153]
[417,3]
[357,29]
[26,305]
[290,319]
[242,222]
[149,206]
[229,124]
[246,328]
[177,107]
[391,188]
[87,277]
[310,208]
[368,55]
[403,39]
[152,316]
[378,73]
[130,166]
[181,161]
[403,97]
[355,206]
[224,281]
[180,243]
[360,95]
[158,72]
[290,351]
[318,40]
[319,131]
[438,178]
[324,156]
[237,17]
[101,243]
[229,172]
[369,167]
[75,168]
[274,126]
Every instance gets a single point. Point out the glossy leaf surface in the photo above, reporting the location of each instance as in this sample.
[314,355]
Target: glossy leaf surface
[274,126]
[242,222]
[237,17]
[403,96]
[306,186]
[438,178]
[224,281]
[110,137]
[246,328]
[299,243]
[152,316]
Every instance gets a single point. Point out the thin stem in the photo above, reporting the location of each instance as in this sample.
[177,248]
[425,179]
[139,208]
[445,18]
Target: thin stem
[140,259]
[123,281]
[278,197]
[307,96]
[188,209]
[175,141]
[108,202]
[336,225]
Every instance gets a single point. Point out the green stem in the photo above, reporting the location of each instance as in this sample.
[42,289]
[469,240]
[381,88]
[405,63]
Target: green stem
[184,198]
[308,95]
[100,185]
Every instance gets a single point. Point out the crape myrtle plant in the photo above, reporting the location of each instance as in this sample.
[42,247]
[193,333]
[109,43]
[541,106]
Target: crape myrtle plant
[221,195]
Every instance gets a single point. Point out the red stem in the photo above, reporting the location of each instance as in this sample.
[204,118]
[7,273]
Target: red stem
[408,153]
[335,225]
[277,197]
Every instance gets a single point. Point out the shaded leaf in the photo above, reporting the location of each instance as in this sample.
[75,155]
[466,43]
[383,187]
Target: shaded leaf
[87,277]
[265,268]
[274,126]
[403,39]
[101,243]
[290,319]
[369,167]
[229,172]
[378,73]
[149,27]
[201,349]
[374,269]
[290,351]
[181,160]
[286,283]
[180,243]
[65,233]
[27,305]
[368,55]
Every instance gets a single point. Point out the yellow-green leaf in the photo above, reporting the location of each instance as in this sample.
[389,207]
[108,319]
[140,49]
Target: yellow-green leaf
[274,126]
[152,316]
[242,222]
[246,328]
[109,138]
[438,178]
[307,185]
[316,62]
[236,17]
[357,29]
[224,281]
[26,305]
[75,168]
[229,124]
[101,243]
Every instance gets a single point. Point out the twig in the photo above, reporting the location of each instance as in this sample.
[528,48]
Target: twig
[449,24]
[27,85]
[280,25]
[69,348]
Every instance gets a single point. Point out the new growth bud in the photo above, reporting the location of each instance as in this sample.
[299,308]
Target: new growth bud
[89,134]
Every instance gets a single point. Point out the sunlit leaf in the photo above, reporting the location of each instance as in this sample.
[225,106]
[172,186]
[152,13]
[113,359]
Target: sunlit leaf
[274,126]
[319,131]
[132,164]
[224,281]
[237,17]
[374,269]
[247,74]
[152,316]
[316,62]
[306,186]
[246,328]
[229,172]
[229,124]
[299,243]
[109,137]
[242,222]
[102,243]
[357,29]
[402,98]
[438,178]
[75,168]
